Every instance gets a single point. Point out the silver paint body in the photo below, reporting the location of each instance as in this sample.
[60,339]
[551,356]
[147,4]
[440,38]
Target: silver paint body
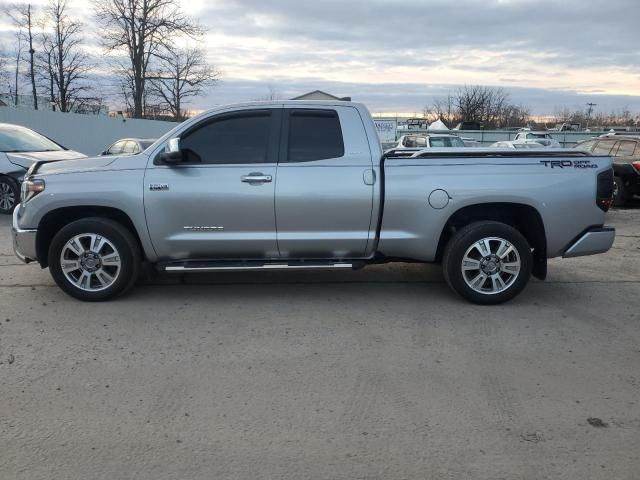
[326,209]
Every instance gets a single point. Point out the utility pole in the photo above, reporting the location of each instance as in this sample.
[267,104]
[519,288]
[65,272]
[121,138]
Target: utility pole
[590,106]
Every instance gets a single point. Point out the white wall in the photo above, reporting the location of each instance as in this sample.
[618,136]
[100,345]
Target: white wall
[88,134]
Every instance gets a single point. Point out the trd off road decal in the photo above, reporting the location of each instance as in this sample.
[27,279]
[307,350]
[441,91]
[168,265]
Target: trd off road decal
[568,163]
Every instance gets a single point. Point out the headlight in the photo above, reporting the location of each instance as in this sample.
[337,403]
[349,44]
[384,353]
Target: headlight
[31,188]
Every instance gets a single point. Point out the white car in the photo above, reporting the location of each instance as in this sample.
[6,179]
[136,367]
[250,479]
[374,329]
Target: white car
[20,147]
[429,140]
[516,145]
[543,138]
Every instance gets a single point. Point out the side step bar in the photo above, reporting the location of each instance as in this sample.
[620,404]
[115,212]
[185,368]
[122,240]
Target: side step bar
[247,267]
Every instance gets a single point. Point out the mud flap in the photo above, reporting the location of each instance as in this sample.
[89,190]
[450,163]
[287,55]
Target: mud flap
[539,263]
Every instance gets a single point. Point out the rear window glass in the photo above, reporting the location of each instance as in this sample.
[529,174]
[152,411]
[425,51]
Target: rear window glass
[314,135]
[625,149]
[586,145]
[603,147]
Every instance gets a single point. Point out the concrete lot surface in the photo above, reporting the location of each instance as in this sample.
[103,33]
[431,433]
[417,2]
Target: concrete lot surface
[376,374]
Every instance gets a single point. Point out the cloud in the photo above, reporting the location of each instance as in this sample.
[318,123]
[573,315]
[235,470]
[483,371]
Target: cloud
[408,98]
[399,56]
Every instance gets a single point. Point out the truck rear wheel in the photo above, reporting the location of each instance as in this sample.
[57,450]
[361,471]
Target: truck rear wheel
[94,259]
[487,262]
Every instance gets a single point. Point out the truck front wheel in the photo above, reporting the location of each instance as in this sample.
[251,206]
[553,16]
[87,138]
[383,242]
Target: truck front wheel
[94,259]
[487,262]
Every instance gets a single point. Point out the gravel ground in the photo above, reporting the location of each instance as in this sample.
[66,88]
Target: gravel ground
[376,374]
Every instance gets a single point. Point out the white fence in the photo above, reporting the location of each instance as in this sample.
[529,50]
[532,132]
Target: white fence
[88,134]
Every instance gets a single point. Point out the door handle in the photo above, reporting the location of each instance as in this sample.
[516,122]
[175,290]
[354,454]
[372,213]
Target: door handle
[255,177]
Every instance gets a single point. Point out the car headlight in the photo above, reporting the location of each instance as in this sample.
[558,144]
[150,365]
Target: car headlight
[31,188]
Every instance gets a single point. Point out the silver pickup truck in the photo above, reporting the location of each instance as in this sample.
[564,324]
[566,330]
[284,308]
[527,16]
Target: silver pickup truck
[305,185]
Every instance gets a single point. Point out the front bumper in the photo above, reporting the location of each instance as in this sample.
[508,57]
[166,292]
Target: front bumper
[595,240]
[24,241]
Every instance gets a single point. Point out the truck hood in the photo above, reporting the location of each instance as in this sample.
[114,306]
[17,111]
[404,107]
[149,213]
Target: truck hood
[74,165]
[26,159]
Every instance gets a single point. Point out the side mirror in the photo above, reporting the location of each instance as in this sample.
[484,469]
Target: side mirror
[172,154]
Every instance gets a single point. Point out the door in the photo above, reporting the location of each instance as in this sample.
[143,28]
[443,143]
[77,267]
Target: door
[219,202]
[325,182]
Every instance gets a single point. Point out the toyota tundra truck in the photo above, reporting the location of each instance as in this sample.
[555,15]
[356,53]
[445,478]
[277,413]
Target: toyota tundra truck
[305,185]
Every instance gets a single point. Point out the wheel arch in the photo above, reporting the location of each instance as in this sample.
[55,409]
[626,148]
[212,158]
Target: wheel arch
[53,221]
[524,218]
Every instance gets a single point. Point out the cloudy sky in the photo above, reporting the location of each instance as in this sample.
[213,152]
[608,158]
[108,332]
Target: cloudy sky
[398,56]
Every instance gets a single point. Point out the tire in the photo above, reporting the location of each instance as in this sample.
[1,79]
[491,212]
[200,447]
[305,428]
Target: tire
[9,195]
[505,278]
[100,257]
[620,194]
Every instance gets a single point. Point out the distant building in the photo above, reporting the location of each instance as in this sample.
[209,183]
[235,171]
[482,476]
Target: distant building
[320,95]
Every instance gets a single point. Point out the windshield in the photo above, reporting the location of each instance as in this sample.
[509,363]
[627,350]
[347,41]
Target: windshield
[539,135]
[437,142]
[17,139]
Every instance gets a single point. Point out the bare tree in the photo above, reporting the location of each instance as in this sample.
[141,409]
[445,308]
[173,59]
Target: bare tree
[476,103]
[141,29]
[17,55]
[482,104]
[4,74]
[181,74]
[272,94]
[442,109]
[22,16]
[65,64]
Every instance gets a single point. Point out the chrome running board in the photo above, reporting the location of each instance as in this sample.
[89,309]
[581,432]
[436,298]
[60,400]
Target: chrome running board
[245,268]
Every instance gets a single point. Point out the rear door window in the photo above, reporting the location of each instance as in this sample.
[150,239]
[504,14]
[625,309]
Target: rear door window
[603,147]
[314,135]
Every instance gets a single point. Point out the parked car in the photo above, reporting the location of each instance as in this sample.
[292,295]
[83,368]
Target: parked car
[309,188]
[429,140]
[129,146]
[625,152]
[409,144]
[516,145]
[19,148]
[471,142]
[543,138]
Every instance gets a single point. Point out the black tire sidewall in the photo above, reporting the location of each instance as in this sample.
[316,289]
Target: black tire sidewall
[16,192]
[622,196]
[116,234]
[467,236]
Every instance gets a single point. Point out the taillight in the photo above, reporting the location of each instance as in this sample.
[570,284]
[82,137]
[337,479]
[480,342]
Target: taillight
[604,191]
[636,166]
